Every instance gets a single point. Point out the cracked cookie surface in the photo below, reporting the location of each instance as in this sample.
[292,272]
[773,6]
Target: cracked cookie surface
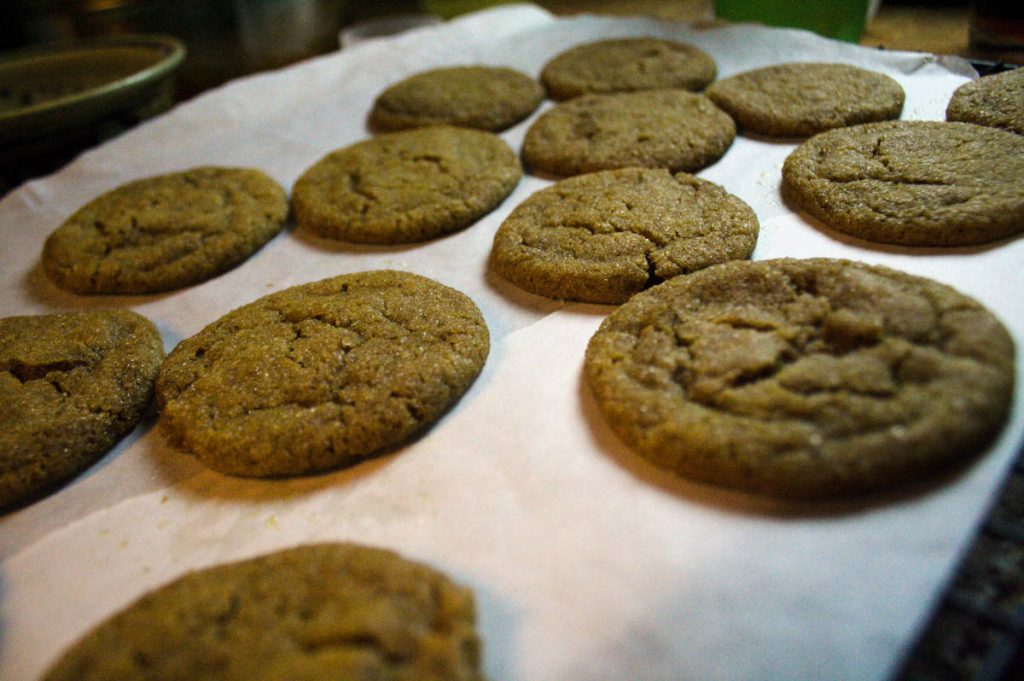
[337,611]
[627,65]
[802,99]
[406,186]
[321,375]
[996,101]
[166,232]
[802,378]
[671,129]
[72,385]
[916,183]
[601,237]
[483,97]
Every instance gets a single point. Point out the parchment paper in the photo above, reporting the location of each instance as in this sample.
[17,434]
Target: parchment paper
[587,563]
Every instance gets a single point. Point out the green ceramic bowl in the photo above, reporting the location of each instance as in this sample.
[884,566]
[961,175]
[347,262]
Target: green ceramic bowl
[50,89]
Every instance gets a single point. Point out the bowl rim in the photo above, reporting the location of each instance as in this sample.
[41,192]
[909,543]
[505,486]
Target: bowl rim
[172,49]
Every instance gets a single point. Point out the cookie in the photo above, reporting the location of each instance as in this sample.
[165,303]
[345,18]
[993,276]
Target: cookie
[996,101]
[72,385]
[627,65]
[165,232]
[321,375]
[802,99]
[322,611]
[484,97]
[670,129]
[802,378]
[601,237]
[406,186]
[915,183]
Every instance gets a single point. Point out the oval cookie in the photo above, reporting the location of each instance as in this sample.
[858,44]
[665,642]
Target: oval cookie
[801,99]
[406,186]
[165,232]
[484,97]
[802,378]
[996,101]
[323,611]
[601,237]
[916,183]
[670,129]
[71,385]
[627,65]
[321,375]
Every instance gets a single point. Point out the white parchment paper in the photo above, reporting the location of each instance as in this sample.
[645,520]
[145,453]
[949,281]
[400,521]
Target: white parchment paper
[587,563]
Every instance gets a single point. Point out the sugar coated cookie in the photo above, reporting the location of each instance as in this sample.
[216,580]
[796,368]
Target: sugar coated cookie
[165,232]
[801,99]
[484,97]
[802,378]
[671,129]
[996,101]
[323,611]
[601,237]
[627,65]
[321,375]
[915,183]
[406,186]
[71,385]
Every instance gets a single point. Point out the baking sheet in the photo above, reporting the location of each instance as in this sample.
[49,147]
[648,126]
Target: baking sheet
[587,563]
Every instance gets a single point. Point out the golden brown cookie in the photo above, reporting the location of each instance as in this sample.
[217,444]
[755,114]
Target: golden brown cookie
[324,611]
[801,99]
[996,101]
[321,375]
[803,378]
[916,183]
[601,237]
[670,129]
[627,65]
[166,232]
[71,385]
[484,97]
[406,186]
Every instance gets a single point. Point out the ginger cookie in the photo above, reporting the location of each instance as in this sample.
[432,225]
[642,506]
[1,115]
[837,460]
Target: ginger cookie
[322,611]
[996,101]
[601,237]
[484,97]
[406,186]
[802,378]
[166,232]
[321,375]
[627,65]
[72,385]
[802,99]
[671,129]
[915,183]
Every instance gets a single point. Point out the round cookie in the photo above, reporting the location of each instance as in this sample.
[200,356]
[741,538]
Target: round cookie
[601,237]
[406,186]
[916,183]
[802,378]
[996,101]
[670,129]
[484,97]
[802,99]
[72,385]
[165,232]
[627,65]
[322,611]
[321,375]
